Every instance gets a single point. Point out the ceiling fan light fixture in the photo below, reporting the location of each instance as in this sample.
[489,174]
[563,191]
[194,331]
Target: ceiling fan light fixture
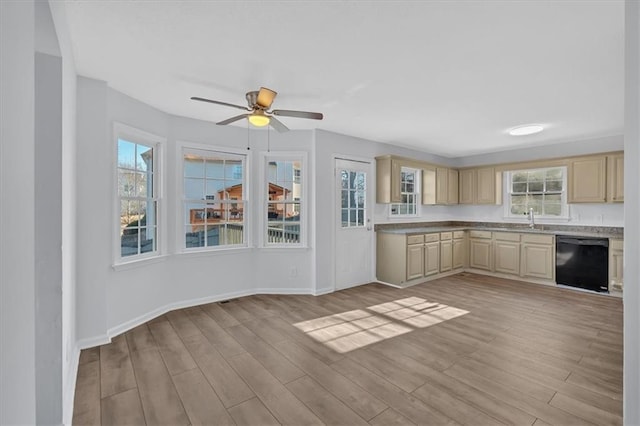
[528,129]
[259,120]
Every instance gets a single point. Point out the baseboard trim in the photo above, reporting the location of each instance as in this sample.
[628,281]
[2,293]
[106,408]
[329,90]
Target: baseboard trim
[90,342]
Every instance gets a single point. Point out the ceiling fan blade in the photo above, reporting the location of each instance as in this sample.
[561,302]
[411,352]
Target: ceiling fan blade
[298,114]
[232,119]
[195,98]
[277,124]
[265,97]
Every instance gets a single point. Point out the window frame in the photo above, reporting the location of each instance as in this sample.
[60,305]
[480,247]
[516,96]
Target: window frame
[265,159]
[417,193]
[199,148]
[508,187]
[139,137]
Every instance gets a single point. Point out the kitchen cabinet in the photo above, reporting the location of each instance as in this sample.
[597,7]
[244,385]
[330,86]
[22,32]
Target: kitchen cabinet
[480,186]
[586,180]
[403,258]
[446,186]
[538,256]
[388,171]
[506,248]
[459,250]
[446,251]
[431,255]
[616,265]
[615,178]
[480,253]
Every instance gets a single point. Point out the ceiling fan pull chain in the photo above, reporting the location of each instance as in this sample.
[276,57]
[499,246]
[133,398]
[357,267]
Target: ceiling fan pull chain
[248,136]
[268,138]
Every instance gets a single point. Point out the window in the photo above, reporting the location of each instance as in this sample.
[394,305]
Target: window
[409,190]
[214,199]
[354,193]
[284,195]
[543,190]
[138,204]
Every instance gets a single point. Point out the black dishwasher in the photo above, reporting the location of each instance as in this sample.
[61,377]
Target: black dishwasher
[582,262]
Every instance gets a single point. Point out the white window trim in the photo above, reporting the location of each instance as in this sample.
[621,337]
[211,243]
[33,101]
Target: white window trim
[265,157]
[564,216]
[418,194]
[135,135]
[181,146]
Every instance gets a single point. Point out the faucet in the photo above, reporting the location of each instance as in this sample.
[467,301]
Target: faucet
[532,224]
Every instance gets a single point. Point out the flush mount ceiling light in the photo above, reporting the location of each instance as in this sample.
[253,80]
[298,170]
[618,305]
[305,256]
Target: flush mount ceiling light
[528,129]
[258,119]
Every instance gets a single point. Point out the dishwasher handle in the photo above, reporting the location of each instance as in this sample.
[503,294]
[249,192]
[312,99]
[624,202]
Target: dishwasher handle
[583,241]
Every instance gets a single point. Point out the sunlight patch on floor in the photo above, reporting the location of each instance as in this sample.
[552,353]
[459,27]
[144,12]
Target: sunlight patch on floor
[355,329]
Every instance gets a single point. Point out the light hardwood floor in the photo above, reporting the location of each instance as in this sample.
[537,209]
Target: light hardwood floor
[465,349]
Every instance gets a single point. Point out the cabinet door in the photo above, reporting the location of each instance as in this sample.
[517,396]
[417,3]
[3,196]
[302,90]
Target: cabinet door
[466,186]
[428,186]
[587,180]
[615,265]
[459,253]
[431,258]
[507,257]
[452,184]
[446,255]
[486,185]
[442,188]
[480,254]
[537,261]
[415,266]
[615,178]
[388,180]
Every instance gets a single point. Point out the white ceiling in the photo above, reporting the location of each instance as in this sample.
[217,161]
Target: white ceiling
[446,77]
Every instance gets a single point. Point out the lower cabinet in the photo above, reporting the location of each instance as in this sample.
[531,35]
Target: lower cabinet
[538,257]
[459,250]
[431,258]
[446,251]
[415,262]
[506,252]
[616,254]
[480,252]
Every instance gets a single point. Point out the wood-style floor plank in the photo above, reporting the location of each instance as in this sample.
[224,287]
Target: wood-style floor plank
[465,349]
[116,371]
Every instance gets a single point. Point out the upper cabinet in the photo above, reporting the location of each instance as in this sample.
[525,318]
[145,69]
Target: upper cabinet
[615,178]
[446,186]
[388,171]
[482,185]
[596,179]
[586,182]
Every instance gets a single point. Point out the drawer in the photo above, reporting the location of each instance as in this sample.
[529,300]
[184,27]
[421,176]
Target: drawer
[537,239]
[415,239]
[458,234]
[480,234]
[444,236]
[506,236]
[429,238]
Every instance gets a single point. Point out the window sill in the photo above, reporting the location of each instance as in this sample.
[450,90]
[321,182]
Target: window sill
[214,251]
[137,263]
[284,247]
[541,219]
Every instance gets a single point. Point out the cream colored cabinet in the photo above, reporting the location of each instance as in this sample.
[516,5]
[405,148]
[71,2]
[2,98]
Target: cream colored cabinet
[506,248]
[446,251]
[429,186]
[586,180]
[480,186]
[538,256]
[615,178]
[446,186]
[480,253]
[459,250]
[388,177]
[616,265]
[431,255]
[467,182]
[415,258]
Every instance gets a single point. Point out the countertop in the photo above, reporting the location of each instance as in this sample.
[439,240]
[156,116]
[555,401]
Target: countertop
[425,228]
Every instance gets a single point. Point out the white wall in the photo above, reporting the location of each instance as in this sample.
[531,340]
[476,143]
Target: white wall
[70,352]
[632,213]
[112,300]
[17,190]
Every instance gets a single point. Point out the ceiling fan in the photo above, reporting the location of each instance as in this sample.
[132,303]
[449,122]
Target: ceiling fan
[259,114]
